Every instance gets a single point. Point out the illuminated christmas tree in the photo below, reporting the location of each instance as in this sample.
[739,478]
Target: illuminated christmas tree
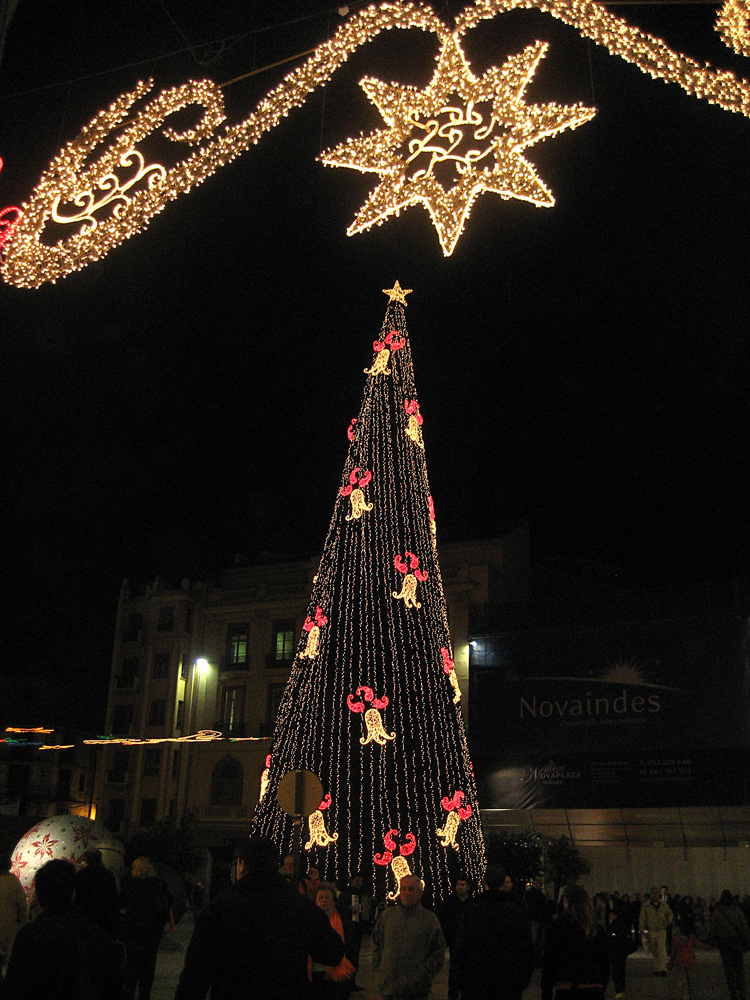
[372,703]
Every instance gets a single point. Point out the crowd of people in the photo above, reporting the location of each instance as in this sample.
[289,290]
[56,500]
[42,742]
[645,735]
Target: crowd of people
[271,934]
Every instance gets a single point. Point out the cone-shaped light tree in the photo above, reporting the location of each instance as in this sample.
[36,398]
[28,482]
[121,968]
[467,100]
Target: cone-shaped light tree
[372,703]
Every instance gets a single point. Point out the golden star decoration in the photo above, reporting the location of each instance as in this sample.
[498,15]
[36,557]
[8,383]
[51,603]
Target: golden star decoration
[459,138]
[397,293]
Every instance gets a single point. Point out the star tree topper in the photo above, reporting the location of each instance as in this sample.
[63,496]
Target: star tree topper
[461,137]
[397,294]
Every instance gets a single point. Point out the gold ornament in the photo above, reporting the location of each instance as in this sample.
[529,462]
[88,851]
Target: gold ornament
[359,505]
[375,729]
[379,365]
[477,127]
[313,627]
[456,813]
[447,833]
[397,294]
[319,836]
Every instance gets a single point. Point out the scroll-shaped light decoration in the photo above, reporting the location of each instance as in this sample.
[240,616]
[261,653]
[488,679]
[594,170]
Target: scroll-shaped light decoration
[353,490]
[456,812]
[399,864]
[414,423]
[319,836]
[383,350]
[373,720]
[350,429]
[450,670]
[313,627]
[732,24]
[408,592]
[264,777]
[471,132]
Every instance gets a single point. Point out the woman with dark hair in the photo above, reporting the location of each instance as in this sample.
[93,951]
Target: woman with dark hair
[728,930]
[576,959]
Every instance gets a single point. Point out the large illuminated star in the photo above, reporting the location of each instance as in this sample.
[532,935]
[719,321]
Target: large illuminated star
[459,138]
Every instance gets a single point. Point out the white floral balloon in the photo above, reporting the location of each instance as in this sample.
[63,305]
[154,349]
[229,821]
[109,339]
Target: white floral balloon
[64,837]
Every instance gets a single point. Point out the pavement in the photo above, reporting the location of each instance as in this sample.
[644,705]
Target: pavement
[707,979]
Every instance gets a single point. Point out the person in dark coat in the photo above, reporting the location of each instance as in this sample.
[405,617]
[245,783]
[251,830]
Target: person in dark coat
[576,956]
[621,943]
[146,903]
[254,940]
[493,953]
[536,907]
[96,893]
[728,930]
[450,914]
[61,954]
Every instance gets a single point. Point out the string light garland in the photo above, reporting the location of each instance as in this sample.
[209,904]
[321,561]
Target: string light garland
[33,255]
[479,127]
[203,736]
[732,24]
[372,714]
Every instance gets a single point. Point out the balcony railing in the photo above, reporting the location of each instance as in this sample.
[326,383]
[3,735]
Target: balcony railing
[224,814]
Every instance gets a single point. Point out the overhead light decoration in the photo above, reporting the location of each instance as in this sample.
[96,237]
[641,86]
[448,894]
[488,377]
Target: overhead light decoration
[732,24]
[96,204]
[203,736]
[472,131]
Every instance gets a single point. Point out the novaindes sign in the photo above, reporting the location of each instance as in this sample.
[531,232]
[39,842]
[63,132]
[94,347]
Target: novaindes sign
[627,712]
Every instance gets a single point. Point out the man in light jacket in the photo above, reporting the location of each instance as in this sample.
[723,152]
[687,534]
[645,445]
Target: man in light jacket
[655,917]
[408,945]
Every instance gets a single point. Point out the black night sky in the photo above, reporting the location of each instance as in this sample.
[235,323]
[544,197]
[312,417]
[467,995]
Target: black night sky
[187,398]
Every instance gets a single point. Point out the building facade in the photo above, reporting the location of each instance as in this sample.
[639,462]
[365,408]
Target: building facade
[198,672]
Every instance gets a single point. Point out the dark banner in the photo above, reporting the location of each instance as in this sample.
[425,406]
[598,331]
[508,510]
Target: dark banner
[572,781]
[624,691]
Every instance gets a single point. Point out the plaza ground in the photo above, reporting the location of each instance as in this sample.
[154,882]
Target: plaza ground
[708,981]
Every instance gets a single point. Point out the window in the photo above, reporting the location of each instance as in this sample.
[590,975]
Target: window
[156,712]
[131,633]
[19,776]
[188,619]
[62,789]
[148,812]
[172,812]
[175,764]
[275,694]
[151,761]
[183,666]
[283,642]
[166,619]
[161,665]
[128,672]
[180,715]
[122,719]
[233,709]
[236,658]
[115,814]
[117,774]
[226,783]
